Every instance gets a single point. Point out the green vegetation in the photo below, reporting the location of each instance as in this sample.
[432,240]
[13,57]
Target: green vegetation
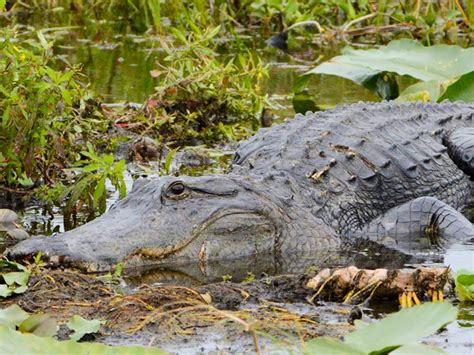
[397,333]
[45,113]
[48,121]
[445,71]
[54,132]
[424,19]
[14,282]
[89,187]
[202,96]
[81,326]
[15,342]
[32,334]
[464,280]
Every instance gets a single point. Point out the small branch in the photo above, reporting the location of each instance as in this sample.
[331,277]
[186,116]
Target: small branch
[306,23]
[348,25]
[461,10]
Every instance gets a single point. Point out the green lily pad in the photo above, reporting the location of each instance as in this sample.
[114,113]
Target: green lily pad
[404,57]
[20,278]
[398,328]
[461,90]
[12,316]
[424,91]
[329,347]
[5,291]
[13,342]
[82,326]
[395,334]
[42,325]
[18,290]
[440,65]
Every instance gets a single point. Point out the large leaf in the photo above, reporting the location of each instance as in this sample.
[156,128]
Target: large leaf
[5,291]
[83,326]
[16,282]
[457,89]
[404,327]
[12,316]
[404,57]
[440,64]
[12,342]
[461,90]
[330,347]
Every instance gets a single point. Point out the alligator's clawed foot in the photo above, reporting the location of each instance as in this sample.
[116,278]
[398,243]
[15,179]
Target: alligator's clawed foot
[408,299]
[436,295]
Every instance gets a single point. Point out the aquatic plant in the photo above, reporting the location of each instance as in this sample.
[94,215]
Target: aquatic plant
[426,20]
[46,114]
[33,334]
[49,129]
[445,71]
[89,185]
[15,279]
[201,95]
[464,280]
[394,334]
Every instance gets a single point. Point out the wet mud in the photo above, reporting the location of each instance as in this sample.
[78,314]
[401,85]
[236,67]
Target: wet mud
[270,314]
[224,316]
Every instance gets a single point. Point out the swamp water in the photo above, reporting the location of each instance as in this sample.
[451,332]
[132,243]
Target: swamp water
[118,70]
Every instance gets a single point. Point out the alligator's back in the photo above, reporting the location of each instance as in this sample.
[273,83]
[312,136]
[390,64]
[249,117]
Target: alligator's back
[365,158]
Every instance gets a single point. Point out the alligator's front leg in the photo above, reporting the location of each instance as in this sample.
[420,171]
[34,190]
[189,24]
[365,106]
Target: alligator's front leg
[420,224]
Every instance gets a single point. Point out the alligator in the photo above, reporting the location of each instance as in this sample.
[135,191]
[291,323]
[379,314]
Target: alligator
[393,174]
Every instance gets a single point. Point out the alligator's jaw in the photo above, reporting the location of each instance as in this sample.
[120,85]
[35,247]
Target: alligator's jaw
[218,217]
[82,248]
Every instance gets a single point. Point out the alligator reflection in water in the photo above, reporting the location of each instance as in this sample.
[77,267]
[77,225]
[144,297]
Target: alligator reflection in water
[191,274]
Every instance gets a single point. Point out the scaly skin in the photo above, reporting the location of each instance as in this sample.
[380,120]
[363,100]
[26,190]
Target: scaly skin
[311,183]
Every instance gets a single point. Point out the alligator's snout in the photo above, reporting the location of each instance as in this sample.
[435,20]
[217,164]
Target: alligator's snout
[53,249]
[101,242]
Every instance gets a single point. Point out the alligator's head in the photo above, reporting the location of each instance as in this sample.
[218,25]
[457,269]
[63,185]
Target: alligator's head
[174,220]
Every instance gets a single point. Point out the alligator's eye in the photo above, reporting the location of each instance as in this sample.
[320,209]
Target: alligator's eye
[176,189]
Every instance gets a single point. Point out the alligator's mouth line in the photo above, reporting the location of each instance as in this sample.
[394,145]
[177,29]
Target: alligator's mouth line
[157,253]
